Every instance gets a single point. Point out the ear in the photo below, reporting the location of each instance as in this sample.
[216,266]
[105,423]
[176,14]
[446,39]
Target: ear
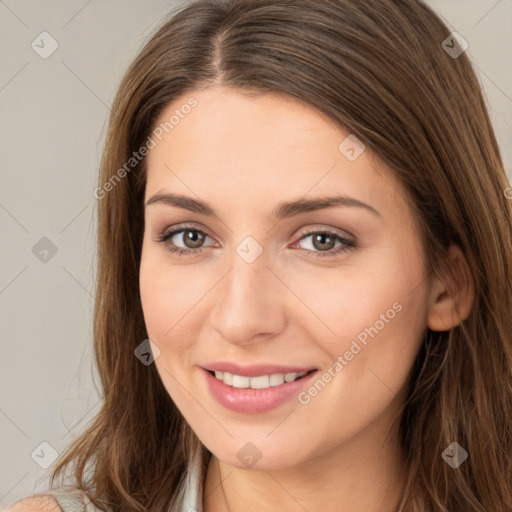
[451,298]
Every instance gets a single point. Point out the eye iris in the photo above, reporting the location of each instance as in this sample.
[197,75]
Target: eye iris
[319,241]
[194,237]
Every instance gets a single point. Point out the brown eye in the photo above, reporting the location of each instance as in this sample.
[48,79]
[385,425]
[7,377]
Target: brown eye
[192,238]
[323,241]
[184,241]
[326,243]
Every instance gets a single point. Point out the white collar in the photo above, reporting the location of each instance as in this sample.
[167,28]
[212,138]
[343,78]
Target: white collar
[193,492]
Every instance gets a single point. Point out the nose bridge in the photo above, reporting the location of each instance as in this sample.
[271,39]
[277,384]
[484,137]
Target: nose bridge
[245,304]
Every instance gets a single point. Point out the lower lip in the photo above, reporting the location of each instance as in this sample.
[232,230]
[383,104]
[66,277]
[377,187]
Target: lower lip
[254,401]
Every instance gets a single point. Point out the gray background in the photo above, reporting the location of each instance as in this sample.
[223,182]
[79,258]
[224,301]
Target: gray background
[53,121]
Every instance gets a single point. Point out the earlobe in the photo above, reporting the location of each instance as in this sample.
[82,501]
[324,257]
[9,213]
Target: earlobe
[451,298]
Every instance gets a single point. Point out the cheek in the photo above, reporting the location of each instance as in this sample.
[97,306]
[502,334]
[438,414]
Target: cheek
[155,302]
[162,309]
[167,294]
[378,324]
[171,303]
[160,306]
[373,314]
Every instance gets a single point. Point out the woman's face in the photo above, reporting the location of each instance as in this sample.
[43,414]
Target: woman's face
[269,279]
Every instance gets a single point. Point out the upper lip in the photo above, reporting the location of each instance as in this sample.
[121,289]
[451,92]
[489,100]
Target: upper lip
[254,370]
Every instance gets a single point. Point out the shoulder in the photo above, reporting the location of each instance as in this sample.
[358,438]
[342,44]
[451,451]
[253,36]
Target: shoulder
[60,499]
[34,504]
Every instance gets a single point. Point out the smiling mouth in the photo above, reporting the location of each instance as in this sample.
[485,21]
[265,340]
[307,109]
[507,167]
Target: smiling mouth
[260,381]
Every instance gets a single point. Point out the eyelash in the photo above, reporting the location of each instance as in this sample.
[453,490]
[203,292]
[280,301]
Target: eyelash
[348,244]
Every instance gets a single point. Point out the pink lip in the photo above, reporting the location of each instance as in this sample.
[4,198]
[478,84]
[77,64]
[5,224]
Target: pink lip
[255,370]
[253,401]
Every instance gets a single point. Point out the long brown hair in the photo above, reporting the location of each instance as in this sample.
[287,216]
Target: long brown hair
[380,69]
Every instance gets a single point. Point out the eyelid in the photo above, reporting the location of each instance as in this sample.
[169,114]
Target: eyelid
[181,227]
[319,228]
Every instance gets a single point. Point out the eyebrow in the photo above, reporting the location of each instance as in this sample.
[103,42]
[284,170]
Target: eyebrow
[282,211]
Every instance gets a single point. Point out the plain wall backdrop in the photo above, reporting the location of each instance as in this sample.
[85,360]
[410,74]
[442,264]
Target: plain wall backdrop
[54,108]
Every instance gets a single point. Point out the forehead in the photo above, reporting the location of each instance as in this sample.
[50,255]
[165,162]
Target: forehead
[236,147]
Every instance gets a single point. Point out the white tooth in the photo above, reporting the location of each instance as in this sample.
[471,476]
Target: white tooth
[240,381]
[276,379]
[261,382]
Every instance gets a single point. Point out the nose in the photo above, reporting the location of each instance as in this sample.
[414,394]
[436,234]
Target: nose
[248,303]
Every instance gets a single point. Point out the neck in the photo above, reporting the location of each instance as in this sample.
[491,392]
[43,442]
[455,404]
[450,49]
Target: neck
[366,474]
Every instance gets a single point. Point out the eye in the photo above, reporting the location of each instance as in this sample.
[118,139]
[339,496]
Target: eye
[190,237]
[322,243]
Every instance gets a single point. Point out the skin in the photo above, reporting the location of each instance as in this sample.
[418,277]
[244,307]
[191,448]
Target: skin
[243,155]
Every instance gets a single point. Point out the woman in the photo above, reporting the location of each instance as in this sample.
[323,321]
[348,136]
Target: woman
[304,273]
